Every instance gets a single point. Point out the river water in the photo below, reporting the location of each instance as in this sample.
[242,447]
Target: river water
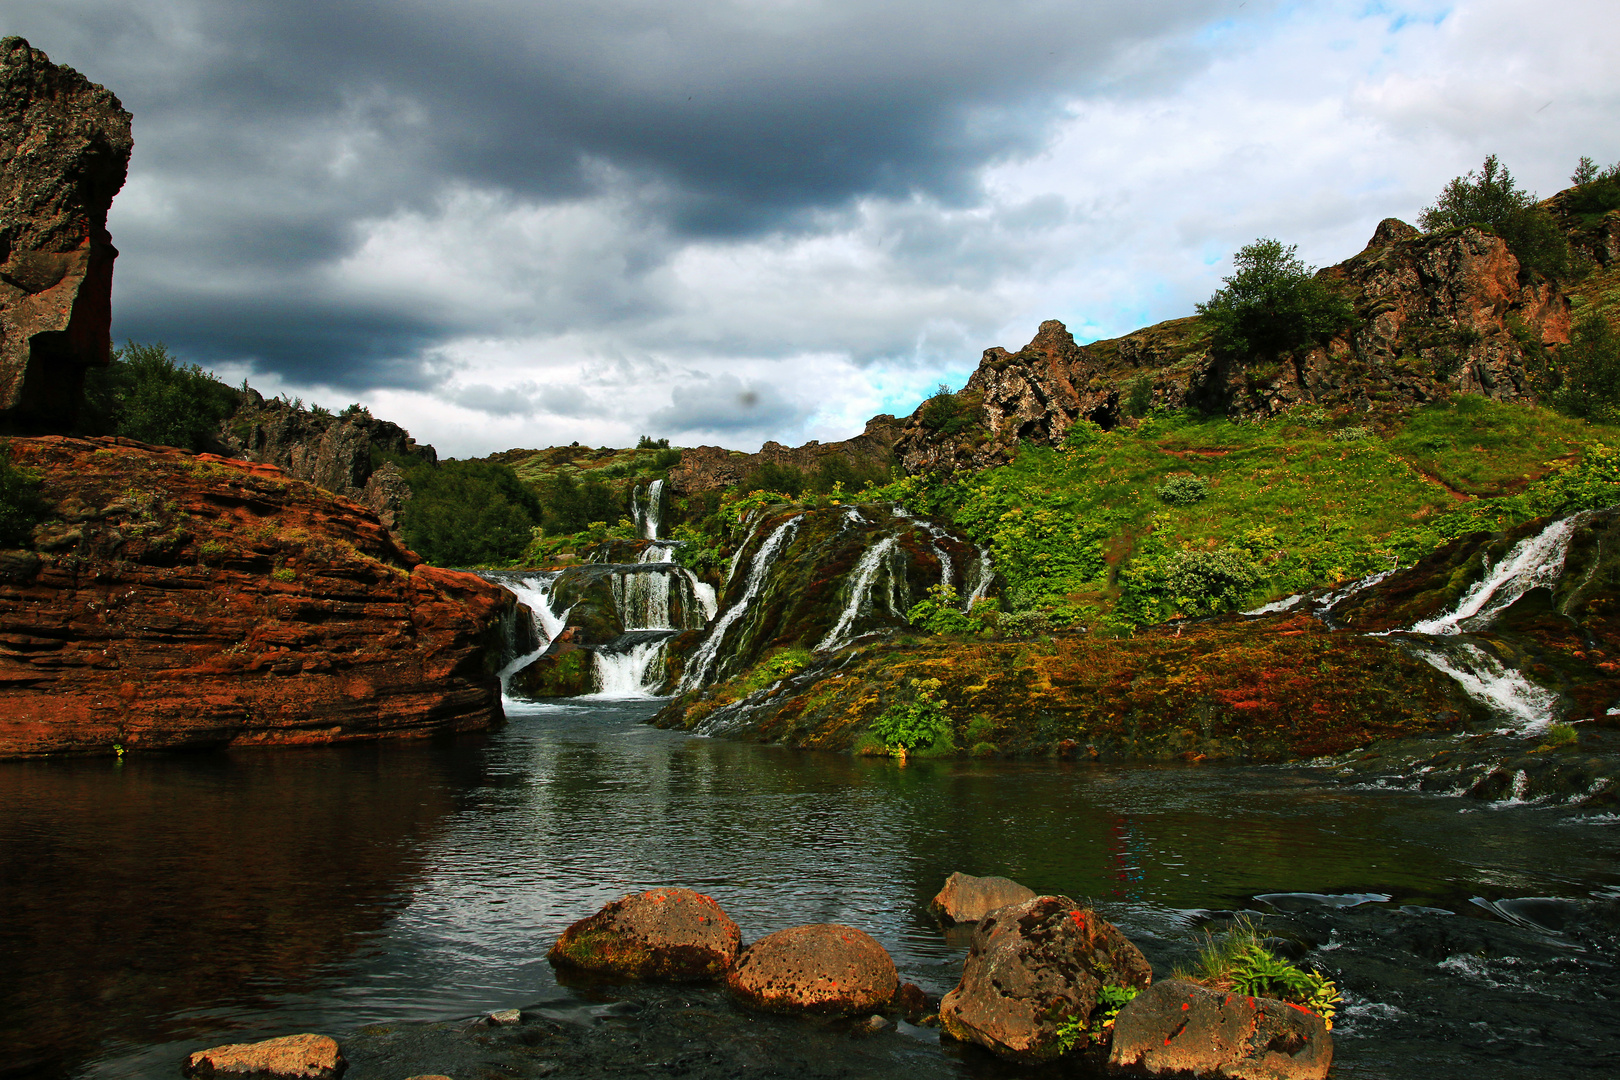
[156,905]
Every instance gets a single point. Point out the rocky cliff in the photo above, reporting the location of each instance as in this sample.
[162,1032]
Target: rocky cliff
[1435,315]
[705,468]
[64,149]
[179,600]
[346,454]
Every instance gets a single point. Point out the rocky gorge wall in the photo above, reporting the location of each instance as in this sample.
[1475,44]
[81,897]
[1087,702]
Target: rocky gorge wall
[64,150]
[177,600]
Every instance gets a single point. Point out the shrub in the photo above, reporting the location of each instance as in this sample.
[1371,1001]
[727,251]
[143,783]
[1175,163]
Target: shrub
[647,442]
[147,394]
[1204,582]
[944,413]
[1596,192]
[1589,371]
[1082,433]
[941,613]
[1350,434]
[918,722]
[1184,490]
[469,513]
[1272,304]
[1491,198]
[21,507]
[569,506]
[1242,964]
[1139,399]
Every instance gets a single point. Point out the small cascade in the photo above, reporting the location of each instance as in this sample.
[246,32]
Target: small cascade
[657,552]
[861,581]
[700,668]
[533,591]
[634,671]
[1528,707]
[1534,561]
[981,585]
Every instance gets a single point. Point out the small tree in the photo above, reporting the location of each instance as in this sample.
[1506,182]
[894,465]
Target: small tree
[1589,371]
[1272,304]
[1493,199]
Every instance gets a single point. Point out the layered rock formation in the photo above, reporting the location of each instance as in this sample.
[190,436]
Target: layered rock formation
[178,600]
[1436,315]
[64,150]
[705,468]
[346,454]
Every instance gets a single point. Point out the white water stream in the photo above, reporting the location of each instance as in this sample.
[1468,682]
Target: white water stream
[861,579]
[1534,561]
[701,666]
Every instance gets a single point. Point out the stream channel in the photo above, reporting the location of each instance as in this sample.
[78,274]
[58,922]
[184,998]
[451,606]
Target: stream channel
[389,893]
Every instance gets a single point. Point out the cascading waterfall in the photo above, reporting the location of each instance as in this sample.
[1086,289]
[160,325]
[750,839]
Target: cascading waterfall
[1528,707]
[861,580]
[534,592]
[633,671]
[982,585]
[647,508]
[657,552]
[701,666]
[1534,561]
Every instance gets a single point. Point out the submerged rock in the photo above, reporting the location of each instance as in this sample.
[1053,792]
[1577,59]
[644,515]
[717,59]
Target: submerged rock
[675,935]
[821,968]
[966,898]
[291,1057]
[1178,1028]
[1032,968]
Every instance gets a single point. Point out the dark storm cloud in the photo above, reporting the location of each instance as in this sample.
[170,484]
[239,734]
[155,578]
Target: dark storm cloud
[267,133]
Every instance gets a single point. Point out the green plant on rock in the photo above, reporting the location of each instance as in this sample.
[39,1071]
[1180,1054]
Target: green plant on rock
[906,725]
[1272,304]
[941,613]
[1183,490]
[1493,199]
[1241,963]
[21,507]
[1078,1032]
[946,413]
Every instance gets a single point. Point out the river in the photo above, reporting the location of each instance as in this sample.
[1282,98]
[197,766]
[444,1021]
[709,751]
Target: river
[162,903]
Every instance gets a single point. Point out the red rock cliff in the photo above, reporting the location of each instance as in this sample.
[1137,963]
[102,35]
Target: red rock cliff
[179,600]
[64,150]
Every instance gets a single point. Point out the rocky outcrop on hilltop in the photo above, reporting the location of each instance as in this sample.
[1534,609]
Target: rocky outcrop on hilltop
[64,150]
[179,600]
[705,468]
[1435,315]
[345,454]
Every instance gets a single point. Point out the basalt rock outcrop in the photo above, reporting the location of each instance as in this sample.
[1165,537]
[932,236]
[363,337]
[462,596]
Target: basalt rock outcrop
[352,453]
[705,468]
[675,935]
[1436,315]
[64,151]
[178,600]
[1178,1028]
[823,968]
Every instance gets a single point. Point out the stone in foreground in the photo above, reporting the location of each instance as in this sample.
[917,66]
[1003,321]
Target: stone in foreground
[675,935]
[966,898]
[822,968]
[291,1057]
[1178,1028]
[1032,967]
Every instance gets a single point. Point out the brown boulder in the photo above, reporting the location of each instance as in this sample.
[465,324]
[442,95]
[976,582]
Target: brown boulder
[821,968]
[1031,968]
[1178,1028]
[966,898]
[64,151]
[672,934]
[294,1057]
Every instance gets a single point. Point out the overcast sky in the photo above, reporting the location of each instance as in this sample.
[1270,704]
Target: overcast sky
[506,223]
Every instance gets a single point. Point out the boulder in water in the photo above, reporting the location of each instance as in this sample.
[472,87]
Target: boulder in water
[675,935]
[1032,968]
[1178,1028]
[291,1057]
[966,898]
[822,968]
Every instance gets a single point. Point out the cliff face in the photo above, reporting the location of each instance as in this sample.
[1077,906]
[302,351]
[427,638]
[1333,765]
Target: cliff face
[332,452]
[704,468]
[1435,315]
[64,150]
[178,600]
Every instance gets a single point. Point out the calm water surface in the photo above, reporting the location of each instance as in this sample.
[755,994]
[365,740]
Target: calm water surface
[160,904]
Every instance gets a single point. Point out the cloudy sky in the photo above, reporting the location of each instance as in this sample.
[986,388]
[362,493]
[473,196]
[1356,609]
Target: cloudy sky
[525,222]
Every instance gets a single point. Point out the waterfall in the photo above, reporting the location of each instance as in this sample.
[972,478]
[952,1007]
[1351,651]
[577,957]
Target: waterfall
[1534,561]
[631,672]
[534,592]
[861,579]
[657,552]
[643,600]
[701,666]
[653,510]
[982,586]
[1529,707]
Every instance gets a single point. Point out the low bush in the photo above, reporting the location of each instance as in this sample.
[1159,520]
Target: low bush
[21,507]
[1588,371]
[1241,963]
[469,513]
[1184,490]
[921,721]
[147,394]
[946,413]
[1493,199]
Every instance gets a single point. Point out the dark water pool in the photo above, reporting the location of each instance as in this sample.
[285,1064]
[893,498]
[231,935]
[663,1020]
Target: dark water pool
[156,905]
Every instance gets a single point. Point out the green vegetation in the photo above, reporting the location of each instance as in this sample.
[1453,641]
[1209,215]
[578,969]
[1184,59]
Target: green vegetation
[468,513]
[946,412]
[941,613]
[1077,1032]
[1589,371]
[1272,305]
[1560,735]
[1596,191]
[919,722]
[1493,200]
[1240,962]
[147,394]
[21,507]
[1184,490]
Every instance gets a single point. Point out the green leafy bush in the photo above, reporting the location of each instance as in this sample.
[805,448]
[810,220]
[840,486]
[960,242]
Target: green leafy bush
[21,507]
[147,394]
[1350,434]
[1589,371]
[941,613]
[1184,490]
[919,722]
[469,513]
[569,505]
[1272,304]
[1240,962]
[1493,199]
[946,413]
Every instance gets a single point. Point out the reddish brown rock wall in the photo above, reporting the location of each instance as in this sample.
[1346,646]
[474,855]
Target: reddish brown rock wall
[188,600]
[64,150]
[704,468]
